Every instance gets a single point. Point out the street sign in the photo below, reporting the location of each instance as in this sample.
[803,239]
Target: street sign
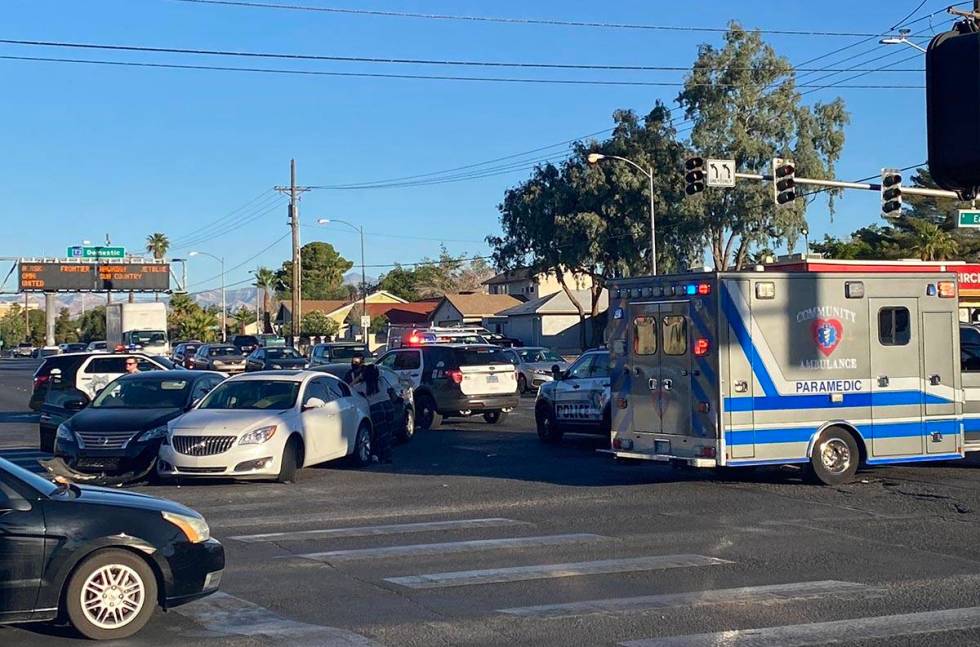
[77,251]
[721,173]
[969,218]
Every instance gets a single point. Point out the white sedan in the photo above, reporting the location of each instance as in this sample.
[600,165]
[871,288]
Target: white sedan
[268,425]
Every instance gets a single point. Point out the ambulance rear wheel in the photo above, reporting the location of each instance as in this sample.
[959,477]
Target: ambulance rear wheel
[834,459]
[548,430]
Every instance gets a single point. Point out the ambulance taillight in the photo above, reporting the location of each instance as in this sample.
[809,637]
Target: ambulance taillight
[704,289]
[947,290]
[701,347]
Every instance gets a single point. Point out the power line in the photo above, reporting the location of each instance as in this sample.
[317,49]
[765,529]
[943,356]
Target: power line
[246,220]
[245,262]
[369,59]
[259,202]
[506,20]
[910,14]
[375,75]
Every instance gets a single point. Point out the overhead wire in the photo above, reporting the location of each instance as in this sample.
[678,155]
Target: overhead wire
[245,262]
[259,202]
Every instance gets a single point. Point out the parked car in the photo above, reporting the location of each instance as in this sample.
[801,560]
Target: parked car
[184,353]
[218,357]
[577,400]
[23,350]
[535,366]
[117,437]
[504,342]
[84,374]
[393,403]
[97,347]
[47,351]
[266,359]
[245,343]
[268,425]
[456,380]
[73,347]
[334,352]
[101,559]
[270,341]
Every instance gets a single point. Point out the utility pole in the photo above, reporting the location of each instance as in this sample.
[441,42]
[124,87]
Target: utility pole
[294,192]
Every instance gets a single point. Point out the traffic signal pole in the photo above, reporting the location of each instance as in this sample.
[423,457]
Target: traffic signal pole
[861,186]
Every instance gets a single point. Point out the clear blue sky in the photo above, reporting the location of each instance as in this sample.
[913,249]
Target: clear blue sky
[89,150]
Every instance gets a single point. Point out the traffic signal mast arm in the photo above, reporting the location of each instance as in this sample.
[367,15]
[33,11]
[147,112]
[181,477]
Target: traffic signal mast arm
[864,186]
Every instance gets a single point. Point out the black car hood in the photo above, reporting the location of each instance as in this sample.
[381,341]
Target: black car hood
[110,419]
[93,495]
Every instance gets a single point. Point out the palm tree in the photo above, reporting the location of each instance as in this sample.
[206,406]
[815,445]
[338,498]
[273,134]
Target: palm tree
[265,280]
[932,243]
[200,324]
[243,317]
[157,244]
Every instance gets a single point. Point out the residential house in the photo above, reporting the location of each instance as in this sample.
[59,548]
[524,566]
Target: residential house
[553,321]
[525,286]
[336,310]
[472,309]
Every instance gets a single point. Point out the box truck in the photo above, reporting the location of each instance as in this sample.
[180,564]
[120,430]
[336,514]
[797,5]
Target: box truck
[137,326]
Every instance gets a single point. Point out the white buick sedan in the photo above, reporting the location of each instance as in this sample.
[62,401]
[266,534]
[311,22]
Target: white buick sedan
[268,425]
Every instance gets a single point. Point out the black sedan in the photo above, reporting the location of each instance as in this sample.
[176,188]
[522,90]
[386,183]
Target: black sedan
[392,404]
[274,359]
[102,559]
[116,438]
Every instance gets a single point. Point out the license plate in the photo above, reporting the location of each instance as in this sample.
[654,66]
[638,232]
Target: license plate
[492,379]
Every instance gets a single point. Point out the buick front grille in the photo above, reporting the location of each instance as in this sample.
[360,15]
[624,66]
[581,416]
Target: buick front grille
[202,445]
[106,439]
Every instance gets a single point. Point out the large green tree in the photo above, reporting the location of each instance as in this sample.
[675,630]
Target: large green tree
[446,274]
[322,274]
[64,327]
[744,104]
[92,324]
[318,324]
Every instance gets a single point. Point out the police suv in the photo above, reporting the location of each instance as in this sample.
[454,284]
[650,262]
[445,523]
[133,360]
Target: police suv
[577,400]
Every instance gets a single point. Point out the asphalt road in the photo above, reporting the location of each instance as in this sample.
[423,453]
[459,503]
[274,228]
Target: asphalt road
[481,535]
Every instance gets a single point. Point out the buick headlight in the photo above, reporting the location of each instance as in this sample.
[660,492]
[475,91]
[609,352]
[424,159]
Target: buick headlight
[258,436]
[541,371]
[152,434]
[194,528]
[64,433]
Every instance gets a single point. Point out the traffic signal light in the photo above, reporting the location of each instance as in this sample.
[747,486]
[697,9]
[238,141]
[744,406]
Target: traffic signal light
[953,110]
[695,175]
[891,192]
[783,181]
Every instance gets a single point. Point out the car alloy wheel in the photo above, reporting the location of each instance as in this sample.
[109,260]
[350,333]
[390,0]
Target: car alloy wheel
[362,446]
[112,596]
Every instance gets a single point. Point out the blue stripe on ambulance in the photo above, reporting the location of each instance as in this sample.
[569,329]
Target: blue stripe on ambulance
[783,402]
[763,436]
[745,341]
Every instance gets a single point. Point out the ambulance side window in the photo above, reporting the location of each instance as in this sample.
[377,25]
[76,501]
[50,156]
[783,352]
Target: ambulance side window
[645,335]
[894,326]
[675,335]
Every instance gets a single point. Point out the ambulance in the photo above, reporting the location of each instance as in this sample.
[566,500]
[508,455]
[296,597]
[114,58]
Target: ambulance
[829,370]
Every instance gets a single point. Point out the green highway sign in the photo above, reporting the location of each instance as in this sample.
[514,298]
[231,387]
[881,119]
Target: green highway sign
[99,252]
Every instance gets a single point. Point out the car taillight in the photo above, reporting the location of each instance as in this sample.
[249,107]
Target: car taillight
[40,380]
[455,376]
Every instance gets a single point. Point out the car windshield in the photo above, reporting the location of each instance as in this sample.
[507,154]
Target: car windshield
[218,351]
[252,394]
[143,393]
[344,352]
[42,485]
[148,337]
[539,355]
[481,356]
[282,353]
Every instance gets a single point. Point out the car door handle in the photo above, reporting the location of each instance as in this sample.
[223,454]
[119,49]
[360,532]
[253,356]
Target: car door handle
[882,380]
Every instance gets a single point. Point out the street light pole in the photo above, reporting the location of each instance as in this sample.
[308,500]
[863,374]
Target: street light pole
[594,158]
[224,308]
[359,230]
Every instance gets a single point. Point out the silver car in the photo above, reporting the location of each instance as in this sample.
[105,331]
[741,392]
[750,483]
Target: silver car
[534,365]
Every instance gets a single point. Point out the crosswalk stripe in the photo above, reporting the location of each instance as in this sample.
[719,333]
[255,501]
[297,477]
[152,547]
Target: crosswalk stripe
[773,593]
[227,615]
[389,529]
[821,633]
[448,547]
[548,571]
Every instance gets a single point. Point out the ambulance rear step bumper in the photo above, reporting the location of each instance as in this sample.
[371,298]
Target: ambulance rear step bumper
[971,447]
[663,458]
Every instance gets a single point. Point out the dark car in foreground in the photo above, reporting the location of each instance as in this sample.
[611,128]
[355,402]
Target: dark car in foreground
[117,437]
[274,359]
[101,559]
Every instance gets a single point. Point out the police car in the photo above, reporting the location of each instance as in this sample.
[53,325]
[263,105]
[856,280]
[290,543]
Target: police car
[577,401]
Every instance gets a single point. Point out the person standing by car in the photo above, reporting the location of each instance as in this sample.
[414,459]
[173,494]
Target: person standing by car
[132,366]
[356,373]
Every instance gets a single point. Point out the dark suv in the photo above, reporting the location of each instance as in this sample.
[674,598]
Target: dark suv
[456,380]
[245,343]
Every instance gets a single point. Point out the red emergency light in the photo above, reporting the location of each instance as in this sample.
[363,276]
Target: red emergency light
[704,289]
[701,347]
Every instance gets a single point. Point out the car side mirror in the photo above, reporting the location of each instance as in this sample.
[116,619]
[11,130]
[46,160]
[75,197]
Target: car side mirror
[75,405]
[314,403]
[556,373]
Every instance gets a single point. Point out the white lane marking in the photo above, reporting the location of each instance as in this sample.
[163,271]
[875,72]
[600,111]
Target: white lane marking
[389,529]
[227,615]
[548,571]
[448,547]
[751,594]
[822,633]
